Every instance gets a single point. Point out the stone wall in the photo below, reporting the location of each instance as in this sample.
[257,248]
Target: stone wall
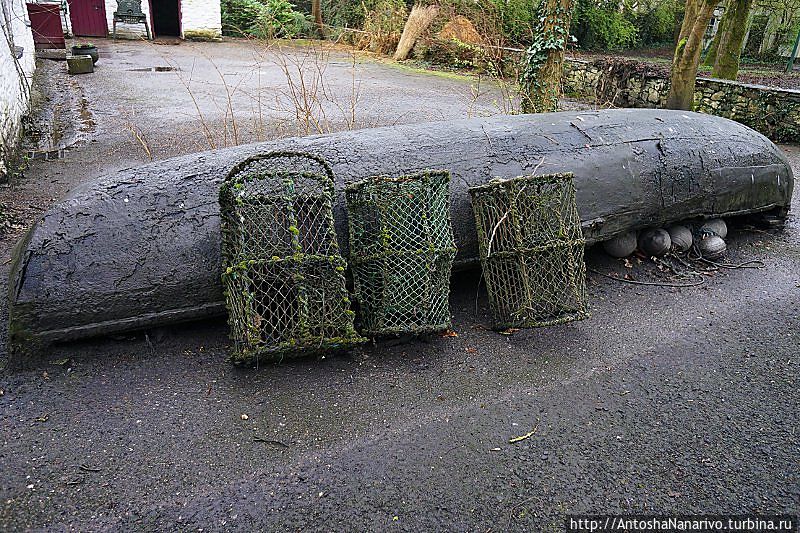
[15,75]
[773,112]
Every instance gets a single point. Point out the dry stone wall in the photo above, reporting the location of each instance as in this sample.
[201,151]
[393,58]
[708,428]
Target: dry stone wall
[771,111]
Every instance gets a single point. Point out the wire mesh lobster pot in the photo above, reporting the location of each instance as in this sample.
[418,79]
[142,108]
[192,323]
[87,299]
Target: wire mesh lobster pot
[401,252]
[283,275]
[531,248]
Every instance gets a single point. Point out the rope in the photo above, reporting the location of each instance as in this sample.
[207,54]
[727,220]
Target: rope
[652,283]
[753,263]
[689,269]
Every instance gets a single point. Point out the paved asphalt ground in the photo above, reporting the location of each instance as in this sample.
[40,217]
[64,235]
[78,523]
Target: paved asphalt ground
[667,400]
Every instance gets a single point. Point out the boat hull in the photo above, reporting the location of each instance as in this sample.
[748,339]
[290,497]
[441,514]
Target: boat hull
[142,247]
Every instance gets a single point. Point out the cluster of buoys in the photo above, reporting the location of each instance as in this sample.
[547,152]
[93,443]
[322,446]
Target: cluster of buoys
[707,236]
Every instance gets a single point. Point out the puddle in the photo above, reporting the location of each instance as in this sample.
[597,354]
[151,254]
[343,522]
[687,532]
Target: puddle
[153,69]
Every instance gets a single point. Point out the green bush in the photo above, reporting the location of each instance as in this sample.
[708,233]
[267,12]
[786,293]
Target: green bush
[601,26]
[384,24]
[351,13]
[517,19]
[343,14]
[597,24]
[657,23]
[263,19]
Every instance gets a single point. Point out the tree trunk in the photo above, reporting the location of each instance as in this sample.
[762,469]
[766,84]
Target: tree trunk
[418,21]
[541,75]
[316,14]
[733,29]
[687,53]
[711,55]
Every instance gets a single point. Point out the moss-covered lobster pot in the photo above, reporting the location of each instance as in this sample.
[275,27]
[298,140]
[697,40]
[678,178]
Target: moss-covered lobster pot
[531,249]
[401,252]
[283,275]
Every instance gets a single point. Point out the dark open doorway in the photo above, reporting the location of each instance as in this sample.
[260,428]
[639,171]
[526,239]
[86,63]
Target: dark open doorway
[166,18]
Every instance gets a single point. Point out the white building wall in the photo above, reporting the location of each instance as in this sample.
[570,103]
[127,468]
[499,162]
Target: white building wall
[200,19]
[15,74]
[129,31]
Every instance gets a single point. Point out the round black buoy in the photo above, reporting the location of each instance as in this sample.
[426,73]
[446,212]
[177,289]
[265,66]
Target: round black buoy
[655,242]
[681,237]
[621,245]
[712,247]
[717,226]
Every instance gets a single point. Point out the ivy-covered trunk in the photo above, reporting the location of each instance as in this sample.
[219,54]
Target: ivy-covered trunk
[687,53]
[541,75]
[732,33]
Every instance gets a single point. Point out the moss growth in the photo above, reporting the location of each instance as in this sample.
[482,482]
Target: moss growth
[283,276]
[23,344]
[401,252]
[202,35]
[415,68]
[531,249]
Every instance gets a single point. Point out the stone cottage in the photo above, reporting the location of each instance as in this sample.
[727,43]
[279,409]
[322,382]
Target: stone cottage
[17,63]
[186,19]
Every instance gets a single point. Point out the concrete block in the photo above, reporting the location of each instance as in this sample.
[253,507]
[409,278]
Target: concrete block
[80,65]
[51,53]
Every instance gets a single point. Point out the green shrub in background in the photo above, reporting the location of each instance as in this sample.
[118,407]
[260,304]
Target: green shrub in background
[657,22]
[351,13]
[263,19]
[597,24]
[383,21]
[344,14]
[517,19]
[602,26]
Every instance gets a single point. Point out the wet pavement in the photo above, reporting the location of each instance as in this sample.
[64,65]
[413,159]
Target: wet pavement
[665,400]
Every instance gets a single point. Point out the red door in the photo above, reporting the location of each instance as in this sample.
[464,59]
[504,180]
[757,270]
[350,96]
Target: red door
[46,25]
[88,18]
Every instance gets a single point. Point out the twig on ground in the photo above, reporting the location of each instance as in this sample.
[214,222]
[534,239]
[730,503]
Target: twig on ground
[273,442]
[525,436]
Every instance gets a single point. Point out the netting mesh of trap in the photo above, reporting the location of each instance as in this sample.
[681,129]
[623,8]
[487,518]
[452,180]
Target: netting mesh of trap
[283,274]
[401,252]
[531,248]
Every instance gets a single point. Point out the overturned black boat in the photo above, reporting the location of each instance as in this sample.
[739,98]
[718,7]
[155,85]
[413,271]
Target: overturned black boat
[142,247]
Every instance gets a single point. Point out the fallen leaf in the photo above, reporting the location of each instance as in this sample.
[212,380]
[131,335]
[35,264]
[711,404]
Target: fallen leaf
[448,333]
[471,350]
[509,331]
[525,436]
